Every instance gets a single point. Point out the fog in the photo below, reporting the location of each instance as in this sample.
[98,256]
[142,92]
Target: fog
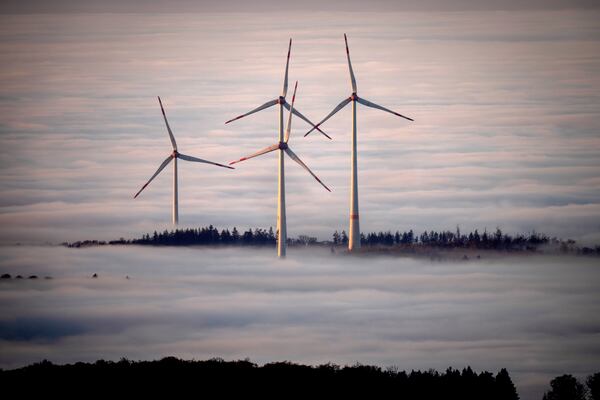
[506,108]
[537,316]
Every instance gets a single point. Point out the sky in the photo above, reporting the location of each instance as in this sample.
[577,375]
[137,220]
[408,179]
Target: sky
[535,316]
[505,102]
[174,6]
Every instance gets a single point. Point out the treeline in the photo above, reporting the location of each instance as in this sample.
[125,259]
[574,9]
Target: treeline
[567,387]
[244,379]
[407,240]
[496,240]
[194,236]
[278,379]
[448,239]
[209,236]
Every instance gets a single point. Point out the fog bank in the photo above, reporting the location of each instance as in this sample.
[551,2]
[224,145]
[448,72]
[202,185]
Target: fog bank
[536,316]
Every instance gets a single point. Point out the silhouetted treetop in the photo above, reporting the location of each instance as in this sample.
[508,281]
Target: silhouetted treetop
[244,378]
[404,241]
[565,387]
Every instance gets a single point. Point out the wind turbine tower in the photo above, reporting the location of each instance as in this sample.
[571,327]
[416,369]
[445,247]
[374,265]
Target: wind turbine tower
[354,239]
[283,147]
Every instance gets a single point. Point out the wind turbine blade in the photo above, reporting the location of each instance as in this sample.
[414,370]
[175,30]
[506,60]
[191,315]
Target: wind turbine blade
[289,123]
[257,109]
[352,78]
[378,107]
[258,153]
[162,166]
[336,109]
[173,143]
[302,117]
[194,159]
[294,157]
[287,67]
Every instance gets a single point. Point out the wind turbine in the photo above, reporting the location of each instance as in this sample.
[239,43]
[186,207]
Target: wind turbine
[354,240]
[283,147]
[173,157]
[282,102]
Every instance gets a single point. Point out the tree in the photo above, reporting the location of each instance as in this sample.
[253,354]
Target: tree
[213,235]
[505,389]
[565,387]
[484,238]
[271,235]
[476,238]
[497,238]
[248,237]
[404,238]
[388,238]
[225,236]
[593,384]
[336,237]
[235,236]
[344,238]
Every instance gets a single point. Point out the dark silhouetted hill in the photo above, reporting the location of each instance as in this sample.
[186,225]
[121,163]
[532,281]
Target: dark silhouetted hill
[244,379]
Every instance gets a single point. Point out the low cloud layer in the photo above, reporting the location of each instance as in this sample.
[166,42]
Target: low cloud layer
[536,316]
[505,133]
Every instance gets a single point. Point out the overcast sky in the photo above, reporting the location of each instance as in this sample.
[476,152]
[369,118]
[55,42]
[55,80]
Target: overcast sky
[62,6]
[506,107]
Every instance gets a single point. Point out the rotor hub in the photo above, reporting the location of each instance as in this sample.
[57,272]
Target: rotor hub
[281,100]
[283,145]
[174,153]
[354,96]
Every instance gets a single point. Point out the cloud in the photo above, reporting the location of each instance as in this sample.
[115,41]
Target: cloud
[180,6]
[533,315]
[505,118]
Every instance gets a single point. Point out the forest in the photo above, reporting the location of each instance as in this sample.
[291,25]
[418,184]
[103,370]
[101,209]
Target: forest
[277,379]
[247,379]
[406,241]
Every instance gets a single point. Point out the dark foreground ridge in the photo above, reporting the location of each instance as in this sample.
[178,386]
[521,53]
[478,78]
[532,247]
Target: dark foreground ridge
[388,242]
[244,378]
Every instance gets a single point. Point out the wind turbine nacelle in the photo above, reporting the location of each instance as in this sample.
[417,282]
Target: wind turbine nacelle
[281,100]
[283,145]
[354,96]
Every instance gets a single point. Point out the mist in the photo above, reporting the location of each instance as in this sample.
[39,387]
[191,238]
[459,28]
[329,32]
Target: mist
[505,134]
[536,316]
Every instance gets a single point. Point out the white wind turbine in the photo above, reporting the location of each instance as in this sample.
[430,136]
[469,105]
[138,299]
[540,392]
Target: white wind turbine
[354,240]
[282,103]
[282,146]
[173,157]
